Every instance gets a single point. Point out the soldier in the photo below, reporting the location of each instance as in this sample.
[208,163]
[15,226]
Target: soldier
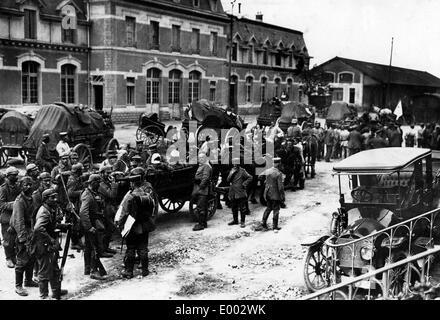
[138,150]
[112,158]
[294,131]
[46,246]
[201,191]
[140,207]
[8,193]
[354,141]
[21,223]
[319,133]
[109,192]
[75,186]
[273,193]
[43,157]
[91,216]
[33,172]
[62,146]
[239,179]
[73,158]
[62,166]
[135,161]
[329,141]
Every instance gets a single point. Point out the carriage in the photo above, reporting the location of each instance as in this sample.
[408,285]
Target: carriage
[90,133]
[341,113]
[150,129]
[270,111]
[14,127]
[173,187]
[295,110]
[378,189]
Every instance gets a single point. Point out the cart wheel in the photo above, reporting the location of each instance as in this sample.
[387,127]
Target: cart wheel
[150,134]
[315,269]
[171,206]
[212,207]
[113,144]
[84,154]
[3,158]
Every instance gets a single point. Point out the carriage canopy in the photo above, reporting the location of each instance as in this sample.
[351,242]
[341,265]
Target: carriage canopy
[56,118]
[14,126]
[212,116]
[338,111]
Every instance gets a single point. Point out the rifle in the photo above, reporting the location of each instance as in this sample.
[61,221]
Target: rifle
[65,252]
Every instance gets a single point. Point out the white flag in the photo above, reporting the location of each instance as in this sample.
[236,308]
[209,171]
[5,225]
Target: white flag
[399,110]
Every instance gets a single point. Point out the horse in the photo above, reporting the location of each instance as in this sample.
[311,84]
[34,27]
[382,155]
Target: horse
[310,154]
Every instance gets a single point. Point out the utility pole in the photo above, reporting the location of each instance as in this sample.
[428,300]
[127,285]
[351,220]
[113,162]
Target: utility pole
[389,75]
[231,27]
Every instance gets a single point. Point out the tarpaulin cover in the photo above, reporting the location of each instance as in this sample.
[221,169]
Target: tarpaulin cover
[295,110]
[14,126]
[212,116]
[54,119]
[268,109]
[338,111]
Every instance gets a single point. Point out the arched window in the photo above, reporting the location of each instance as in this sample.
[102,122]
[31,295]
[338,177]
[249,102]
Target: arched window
[329,77]
[345,77]
[194,86]
[29,82]
[289,88]
[249,85]
[153,86]
[277,87]
[68,83]
[263,89]
[174,87]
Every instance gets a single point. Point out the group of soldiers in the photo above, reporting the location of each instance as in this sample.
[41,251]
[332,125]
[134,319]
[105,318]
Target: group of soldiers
[52,199]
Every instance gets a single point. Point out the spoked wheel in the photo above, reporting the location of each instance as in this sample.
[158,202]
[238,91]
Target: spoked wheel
[3,158]
[149,134]
[113,144]
[171,206]
[316,268]
[84,155]
[212,206]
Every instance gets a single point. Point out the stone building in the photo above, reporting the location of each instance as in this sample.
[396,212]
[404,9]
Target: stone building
[135,56]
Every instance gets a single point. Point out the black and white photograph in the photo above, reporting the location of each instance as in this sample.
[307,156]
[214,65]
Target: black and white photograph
[243,151]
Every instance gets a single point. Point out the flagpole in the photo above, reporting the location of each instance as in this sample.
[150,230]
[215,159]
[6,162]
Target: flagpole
[389,75]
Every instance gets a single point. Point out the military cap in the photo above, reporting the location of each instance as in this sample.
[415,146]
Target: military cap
[31,166]
[64,155]
[47,193]
[11,171]
[44,176]
[63,134]
[46,135]
[73,155]
[137,172]
[105,168]
[276,160]
[76,167]
[94,177]
[27,179]
[136,158]
[295,121]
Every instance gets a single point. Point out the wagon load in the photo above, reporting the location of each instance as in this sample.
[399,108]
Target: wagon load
[295,110]
[269,111]
[339,111]
[14,127]
[87,130]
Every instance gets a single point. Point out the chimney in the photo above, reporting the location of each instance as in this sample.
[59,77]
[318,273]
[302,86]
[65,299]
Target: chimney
[259,16]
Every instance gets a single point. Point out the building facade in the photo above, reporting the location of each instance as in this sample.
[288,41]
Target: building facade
[139,56]
[371,84]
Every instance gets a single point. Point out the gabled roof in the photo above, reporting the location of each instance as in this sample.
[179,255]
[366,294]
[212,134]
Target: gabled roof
[46,6]
[400,76]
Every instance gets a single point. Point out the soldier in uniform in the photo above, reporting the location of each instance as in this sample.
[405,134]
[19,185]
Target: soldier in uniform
[112,158]
[43,157]
[92,216]
[140,206]
[21,223]
[294,131]
[33,172]
[62,146]
[62,166]
[8,193]
[136,161]
[73,158]
[239,179]
[75,187]
[201,191]
[109,192]
[273,193]
[46,246]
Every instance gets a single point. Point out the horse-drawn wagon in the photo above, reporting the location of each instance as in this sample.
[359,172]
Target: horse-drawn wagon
[90,134]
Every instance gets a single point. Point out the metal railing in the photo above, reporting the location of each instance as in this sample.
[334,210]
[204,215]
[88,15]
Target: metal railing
[335,290]
[386,250]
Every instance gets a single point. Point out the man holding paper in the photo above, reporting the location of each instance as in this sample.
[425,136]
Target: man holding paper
[136,221]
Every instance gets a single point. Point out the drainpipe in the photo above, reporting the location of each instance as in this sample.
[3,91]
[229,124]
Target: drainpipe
[89,55]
